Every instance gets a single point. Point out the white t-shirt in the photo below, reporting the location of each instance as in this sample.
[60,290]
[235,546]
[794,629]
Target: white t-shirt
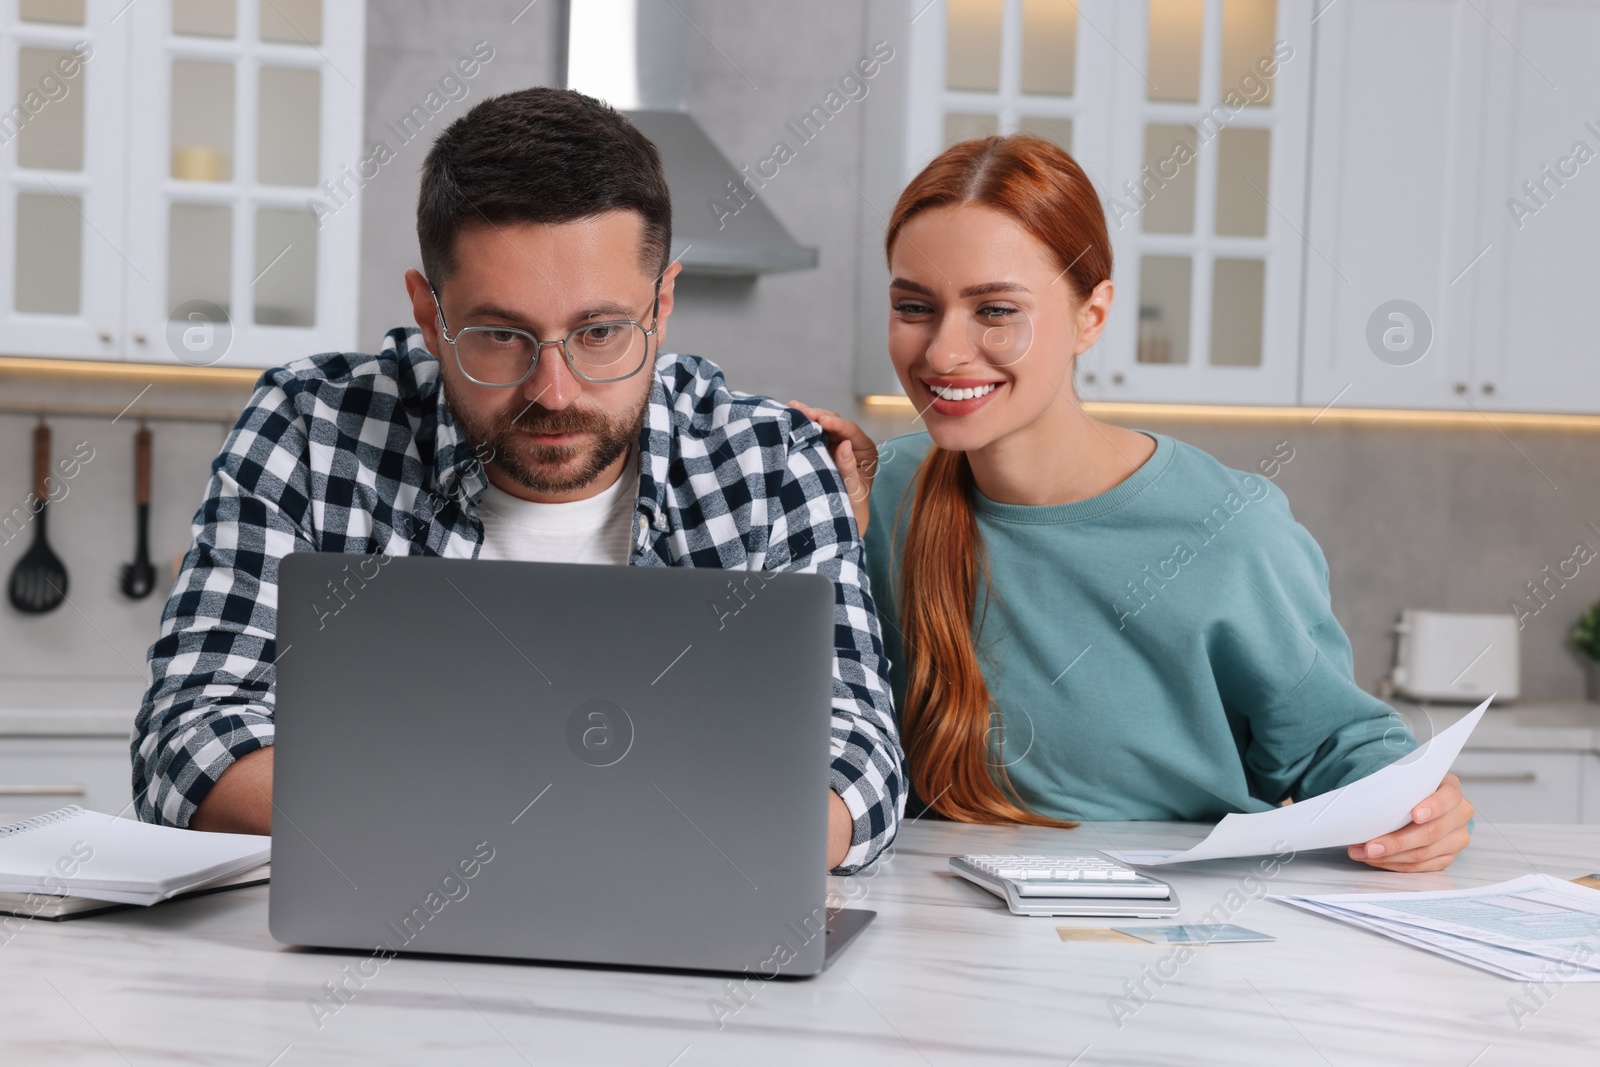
[596,530]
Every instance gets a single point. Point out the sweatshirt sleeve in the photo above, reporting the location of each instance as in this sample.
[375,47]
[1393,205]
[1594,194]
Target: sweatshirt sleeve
[1285,671]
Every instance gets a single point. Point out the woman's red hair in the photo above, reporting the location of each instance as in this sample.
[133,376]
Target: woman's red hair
[947,714]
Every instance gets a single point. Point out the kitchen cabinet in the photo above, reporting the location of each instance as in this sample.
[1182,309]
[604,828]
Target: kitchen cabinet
[1190,118]
[1531,762]
[1408,218]
[1203,195]
[56,757]
[190,193]
[1518,786]
[1450,169]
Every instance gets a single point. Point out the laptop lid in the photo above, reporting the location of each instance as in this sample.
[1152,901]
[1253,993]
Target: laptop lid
[614,765]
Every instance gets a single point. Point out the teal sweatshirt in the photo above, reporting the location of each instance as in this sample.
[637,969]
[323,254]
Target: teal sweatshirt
[1165,650]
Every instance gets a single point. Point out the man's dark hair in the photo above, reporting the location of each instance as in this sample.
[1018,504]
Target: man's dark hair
[539,155]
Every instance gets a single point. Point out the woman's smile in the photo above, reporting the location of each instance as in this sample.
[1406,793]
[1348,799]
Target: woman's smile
[959,396]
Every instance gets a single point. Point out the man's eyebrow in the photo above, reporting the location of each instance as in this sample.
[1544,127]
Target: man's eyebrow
[608,309]
[494,311]
[971,290]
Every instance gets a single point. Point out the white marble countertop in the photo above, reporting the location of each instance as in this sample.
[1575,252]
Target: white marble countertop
[945,975]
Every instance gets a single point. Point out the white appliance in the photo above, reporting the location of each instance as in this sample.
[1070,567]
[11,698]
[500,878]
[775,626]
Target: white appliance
[1445,655]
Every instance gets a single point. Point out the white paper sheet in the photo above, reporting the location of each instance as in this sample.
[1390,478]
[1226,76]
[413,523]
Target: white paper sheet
[1502,961]
[1370,807]
[1532,928]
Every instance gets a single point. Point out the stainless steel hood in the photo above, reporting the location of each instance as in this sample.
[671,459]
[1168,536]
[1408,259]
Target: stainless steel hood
[634,55]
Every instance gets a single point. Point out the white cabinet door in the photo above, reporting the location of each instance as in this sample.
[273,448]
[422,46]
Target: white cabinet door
[62,146]
[243,180]
[1535,347]
[1522,786]
[1396,158]
[1210,105]
[40,774]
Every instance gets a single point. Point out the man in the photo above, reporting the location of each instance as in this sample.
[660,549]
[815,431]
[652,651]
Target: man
[530,415]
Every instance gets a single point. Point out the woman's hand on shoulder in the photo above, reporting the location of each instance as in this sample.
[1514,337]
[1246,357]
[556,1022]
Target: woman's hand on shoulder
[853,452]
[1438,831]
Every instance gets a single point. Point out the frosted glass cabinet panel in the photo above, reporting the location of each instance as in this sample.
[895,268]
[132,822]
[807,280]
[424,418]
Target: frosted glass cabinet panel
[1249,29]
[1173,49]
[1165,284]
[62,12]
[159,179]
[52,139]
[292,21]
[285,282]
[202,120]
[205,18]
[1244,182]
[959,127]
[972,58]
[1169,179]
[289,126]
[200,254]
[49,254]
[1049,47]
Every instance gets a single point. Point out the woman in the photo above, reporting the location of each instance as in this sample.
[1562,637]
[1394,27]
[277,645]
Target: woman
[1085,621]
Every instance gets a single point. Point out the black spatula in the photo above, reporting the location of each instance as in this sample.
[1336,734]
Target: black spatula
[39,582]
[139,577]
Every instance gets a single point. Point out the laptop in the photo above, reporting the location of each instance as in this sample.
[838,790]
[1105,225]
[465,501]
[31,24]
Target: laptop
[560,762]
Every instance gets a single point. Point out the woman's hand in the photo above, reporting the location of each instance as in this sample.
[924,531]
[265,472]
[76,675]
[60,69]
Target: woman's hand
[1437,832]
[853,452]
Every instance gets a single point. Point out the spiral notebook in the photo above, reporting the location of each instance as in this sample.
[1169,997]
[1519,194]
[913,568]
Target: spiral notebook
[71,852]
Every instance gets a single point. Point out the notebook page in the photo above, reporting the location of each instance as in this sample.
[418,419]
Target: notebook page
[73,852]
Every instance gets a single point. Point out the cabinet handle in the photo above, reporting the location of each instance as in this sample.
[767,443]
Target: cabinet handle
[1488,387]
[42,791]
[1525,776]
[1116,379]
[105,336]
[140,338]
[1088,378]
[1461,387]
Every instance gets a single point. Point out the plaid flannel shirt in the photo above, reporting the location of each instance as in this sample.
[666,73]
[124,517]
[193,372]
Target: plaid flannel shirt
[347,452]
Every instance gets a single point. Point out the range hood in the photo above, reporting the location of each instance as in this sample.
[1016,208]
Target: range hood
[634,55]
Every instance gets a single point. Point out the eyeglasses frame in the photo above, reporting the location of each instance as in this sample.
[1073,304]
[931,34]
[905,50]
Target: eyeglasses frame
[539,346]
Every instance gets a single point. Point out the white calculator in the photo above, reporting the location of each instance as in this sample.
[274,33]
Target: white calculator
[1083,883]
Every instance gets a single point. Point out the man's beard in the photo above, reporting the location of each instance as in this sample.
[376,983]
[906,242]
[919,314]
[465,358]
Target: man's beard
[552,469]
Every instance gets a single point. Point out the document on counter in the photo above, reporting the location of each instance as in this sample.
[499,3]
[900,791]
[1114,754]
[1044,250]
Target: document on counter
[1530,928]
[1369,807]
[71,852]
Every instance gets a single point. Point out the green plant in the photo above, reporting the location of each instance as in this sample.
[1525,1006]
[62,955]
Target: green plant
[1586,635]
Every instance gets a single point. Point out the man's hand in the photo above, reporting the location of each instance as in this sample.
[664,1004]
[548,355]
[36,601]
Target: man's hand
[1437,832]
[241,801]
[853,453]
[840,830]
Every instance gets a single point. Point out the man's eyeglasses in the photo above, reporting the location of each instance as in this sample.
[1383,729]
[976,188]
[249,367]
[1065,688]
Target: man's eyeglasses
[599,352]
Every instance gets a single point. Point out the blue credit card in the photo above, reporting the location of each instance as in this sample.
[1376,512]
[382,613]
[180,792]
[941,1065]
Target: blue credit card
[1192,933]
